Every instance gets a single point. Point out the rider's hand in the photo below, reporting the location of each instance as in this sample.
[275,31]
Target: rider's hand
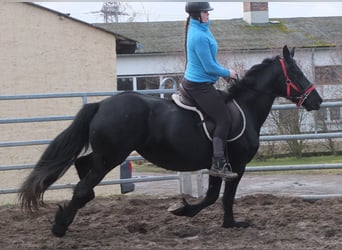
[233,76]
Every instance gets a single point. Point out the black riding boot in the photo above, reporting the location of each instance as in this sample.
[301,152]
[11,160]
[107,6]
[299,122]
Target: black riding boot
[220,166]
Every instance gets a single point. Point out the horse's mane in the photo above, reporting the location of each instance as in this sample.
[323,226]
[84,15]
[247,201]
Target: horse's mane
[236,87]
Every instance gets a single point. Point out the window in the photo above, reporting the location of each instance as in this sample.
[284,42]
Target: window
[143,82]
[148,82]
[125,83]
[328,74]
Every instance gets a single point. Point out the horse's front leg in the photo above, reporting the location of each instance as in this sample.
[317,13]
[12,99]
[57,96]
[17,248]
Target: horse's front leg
[228,202]
[190,210]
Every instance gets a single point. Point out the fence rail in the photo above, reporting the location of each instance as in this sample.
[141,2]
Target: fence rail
[184,186]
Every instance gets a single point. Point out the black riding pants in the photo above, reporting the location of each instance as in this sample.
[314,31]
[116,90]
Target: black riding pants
[211,102]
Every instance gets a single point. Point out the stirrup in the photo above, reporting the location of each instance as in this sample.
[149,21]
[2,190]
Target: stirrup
[220,168]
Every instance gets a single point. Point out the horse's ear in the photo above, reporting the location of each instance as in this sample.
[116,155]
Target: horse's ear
[292,52]
[286,54]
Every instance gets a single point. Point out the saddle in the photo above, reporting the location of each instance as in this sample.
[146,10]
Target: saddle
[185,101]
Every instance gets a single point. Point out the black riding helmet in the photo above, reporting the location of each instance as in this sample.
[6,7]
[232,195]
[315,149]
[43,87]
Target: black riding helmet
[191,7]
[194,9]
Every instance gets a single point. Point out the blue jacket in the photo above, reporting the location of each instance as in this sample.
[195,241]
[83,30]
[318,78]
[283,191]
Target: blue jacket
[202,65]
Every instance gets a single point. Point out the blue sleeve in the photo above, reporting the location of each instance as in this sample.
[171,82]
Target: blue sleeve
[203,50]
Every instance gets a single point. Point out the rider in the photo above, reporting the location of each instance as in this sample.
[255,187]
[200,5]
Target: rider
[201,72]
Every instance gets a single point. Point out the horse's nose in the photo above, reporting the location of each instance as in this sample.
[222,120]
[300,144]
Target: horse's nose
[316,105]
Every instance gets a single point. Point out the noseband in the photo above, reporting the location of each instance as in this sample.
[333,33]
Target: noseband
[290,84]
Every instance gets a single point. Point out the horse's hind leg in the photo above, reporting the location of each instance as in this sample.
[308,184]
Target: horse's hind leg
[212,195]
[83,193]
[83,165]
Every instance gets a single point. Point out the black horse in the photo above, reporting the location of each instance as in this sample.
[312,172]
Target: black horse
[165,135]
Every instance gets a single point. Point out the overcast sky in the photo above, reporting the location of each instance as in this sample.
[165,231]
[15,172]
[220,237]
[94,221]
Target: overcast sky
[168,11]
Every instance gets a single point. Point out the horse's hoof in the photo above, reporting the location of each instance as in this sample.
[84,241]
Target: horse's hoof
[58,230]
[242,224]
[237,224]
[176,208]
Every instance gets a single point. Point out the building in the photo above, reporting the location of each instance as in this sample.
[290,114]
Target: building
[242,43]
[318,41]
[44,51]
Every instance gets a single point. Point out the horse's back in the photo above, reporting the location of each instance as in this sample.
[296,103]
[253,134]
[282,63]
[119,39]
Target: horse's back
[130,118]
[121,121]
[158,129]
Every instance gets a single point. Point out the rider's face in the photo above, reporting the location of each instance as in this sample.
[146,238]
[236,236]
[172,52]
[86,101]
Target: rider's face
[204,16]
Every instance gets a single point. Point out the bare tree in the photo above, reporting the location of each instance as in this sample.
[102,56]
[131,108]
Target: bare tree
[111,11]
[114,12]
[289,122]
[329,119]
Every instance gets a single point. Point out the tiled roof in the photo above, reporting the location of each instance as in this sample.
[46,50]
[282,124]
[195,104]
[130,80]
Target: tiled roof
[236,34]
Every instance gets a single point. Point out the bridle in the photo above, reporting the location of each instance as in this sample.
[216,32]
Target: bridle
[290,85]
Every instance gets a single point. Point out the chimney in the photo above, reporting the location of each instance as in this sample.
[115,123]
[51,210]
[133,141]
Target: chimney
[255,12]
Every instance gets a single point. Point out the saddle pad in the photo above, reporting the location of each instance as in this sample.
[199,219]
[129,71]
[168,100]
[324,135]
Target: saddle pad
[176,99]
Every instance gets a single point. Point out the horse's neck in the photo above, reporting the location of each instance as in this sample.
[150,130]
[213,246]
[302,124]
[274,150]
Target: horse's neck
[256,93]
[256,108]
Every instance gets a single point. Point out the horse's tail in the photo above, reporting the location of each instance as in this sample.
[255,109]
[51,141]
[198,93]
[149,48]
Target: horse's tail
[57,158]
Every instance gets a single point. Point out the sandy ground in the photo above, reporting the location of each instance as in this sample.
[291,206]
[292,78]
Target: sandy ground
[140,220]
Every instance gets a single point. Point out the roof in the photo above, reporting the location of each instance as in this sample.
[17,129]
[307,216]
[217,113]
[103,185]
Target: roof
[236,34]
[124,45]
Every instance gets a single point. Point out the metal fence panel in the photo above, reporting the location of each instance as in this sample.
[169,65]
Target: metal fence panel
[185,186]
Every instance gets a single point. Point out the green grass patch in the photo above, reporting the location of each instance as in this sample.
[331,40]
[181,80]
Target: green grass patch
[143,167]
[148,167]
[331,159]
[298,161]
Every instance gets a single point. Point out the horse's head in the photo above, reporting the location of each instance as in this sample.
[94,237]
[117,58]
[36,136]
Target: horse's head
[297,87]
